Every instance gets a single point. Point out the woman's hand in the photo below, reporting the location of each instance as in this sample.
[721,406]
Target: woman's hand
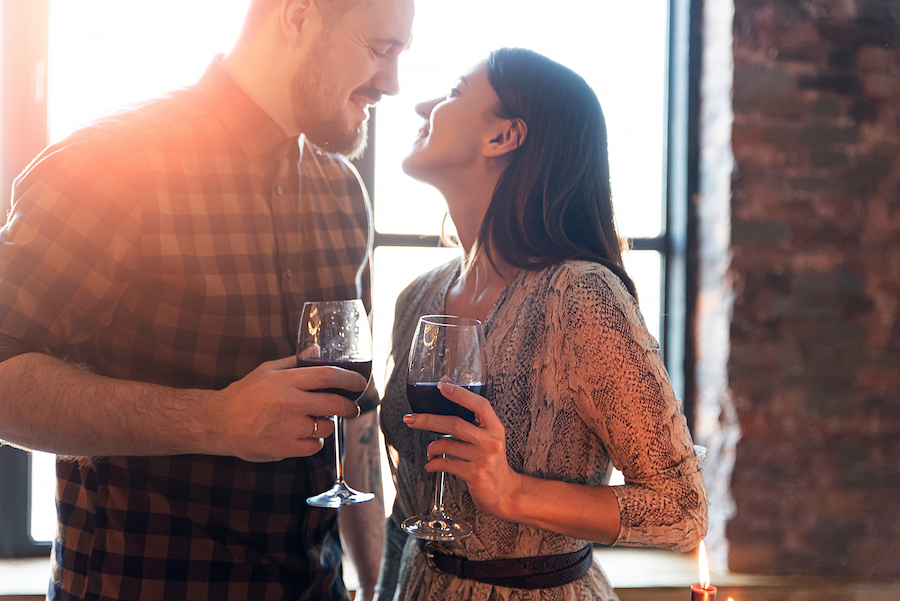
[477,454]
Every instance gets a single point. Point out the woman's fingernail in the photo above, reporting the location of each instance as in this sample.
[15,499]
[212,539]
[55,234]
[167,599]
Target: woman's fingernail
[409,418]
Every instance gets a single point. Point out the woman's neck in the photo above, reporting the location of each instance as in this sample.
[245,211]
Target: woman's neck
[479,288]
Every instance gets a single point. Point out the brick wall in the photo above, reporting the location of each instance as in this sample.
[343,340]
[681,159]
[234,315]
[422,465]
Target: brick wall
[814,331]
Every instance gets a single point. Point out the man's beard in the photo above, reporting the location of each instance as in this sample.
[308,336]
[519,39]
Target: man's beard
[331,133]
[323,123]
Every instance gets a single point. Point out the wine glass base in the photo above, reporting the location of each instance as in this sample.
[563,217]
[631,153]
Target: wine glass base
[339,495]
[436,527]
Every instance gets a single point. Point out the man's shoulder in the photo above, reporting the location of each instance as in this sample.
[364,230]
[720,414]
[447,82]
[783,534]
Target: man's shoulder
[114,139]
[160,116]
[130,130]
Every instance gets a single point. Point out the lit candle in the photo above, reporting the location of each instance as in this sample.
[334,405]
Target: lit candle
[703,591]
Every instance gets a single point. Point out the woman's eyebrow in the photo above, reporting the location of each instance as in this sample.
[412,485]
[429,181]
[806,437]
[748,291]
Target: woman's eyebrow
[462,80]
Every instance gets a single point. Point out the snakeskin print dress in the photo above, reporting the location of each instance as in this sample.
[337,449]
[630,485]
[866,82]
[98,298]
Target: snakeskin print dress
[579,386]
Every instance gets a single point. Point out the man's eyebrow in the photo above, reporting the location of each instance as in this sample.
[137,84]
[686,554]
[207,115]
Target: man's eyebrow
[394,42]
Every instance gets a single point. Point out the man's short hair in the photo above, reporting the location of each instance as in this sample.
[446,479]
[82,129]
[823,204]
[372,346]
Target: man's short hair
[339,7]
[259,10]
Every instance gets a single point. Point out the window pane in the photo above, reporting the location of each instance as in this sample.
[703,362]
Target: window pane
[43,493]
[620,49]
[645,267]
[106,53]
[395,267]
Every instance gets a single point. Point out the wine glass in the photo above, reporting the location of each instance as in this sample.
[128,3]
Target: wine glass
[444,349]
[336,333]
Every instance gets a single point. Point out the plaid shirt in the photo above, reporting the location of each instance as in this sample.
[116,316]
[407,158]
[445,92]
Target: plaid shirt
[175,242]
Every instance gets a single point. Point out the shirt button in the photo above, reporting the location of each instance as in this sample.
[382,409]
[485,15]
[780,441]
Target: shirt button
[289,274]
[280,190]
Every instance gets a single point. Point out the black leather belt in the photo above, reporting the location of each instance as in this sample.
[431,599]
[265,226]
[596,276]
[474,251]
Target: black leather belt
[545,571]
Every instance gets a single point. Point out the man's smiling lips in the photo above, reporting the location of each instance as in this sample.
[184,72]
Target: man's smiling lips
[363,105]
[365,101]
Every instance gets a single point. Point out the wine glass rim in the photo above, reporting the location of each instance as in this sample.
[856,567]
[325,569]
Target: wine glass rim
[333,302]
[450,320]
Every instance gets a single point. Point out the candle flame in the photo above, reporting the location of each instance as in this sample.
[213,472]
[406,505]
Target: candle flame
[703,564]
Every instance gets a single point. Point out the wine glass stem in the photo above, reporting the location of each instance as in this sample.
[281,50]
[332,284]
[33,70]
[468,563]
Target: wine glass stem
[437,506]
[338,445]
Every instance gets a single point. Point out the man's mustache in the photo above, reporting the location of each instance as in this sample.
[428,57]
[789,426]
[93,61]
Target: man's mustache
[372,94]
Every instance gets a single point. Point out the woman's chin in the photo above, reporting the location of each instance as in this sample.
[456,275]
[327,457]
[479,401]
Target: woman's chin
[412,167]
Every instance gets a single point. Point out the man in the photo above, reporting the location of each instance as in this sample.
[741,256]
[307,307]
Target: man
[152,275]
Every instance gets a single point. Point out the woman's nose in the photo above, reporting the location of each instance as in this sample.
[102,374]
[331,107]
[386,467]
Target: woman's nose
[423,109]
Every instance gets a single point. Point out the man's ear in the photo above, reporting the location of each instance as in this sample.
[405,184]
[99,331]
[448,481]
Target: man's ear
[509,136]
[294,15]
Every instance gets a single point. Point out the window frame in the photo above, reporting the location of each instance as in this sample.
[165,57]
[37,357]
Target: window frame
[24,31]
[24,50]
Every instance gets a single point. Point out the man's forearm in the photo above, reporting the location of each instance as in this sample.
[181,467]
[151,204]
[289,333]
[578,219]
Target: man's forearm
[267,415]
[49,405]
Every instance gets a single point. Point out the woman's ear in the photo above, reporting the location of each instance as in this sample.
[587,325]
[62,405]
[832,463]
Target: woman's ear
[509,136]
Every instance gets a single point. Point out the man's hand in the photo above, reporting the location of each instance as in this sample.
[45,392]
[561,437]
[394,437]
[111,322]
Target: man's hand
[272,412]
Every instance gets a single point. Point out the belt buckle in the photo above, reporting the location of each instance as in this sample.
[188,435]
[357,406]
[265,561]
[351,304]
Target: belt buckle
[429,557]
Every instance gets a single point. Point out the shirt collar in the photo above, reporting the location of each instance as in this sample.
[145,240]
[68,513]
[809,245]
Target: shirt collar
[253,129]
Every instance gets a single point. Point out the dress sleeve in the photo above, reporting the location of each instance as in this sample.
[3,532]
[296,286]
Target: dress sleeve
[70,245]
[614,373]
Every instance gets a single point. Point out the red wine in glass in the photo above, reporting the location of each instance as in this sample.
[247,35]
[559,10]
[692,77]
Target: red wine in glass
[424,397]
[337,333]
[450,349]
[363,368]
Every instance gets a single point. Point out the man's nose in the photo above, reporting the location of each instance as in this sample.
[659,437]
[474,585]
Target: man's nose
[388,80]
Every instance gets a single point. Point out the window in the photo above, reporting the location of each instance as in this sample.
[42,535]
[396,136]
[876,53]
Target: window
[626,70]
[626,51]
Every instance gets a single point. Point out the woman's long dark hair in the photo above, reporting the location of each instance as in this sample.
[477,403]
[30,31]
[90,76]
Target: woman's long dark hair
[553,201]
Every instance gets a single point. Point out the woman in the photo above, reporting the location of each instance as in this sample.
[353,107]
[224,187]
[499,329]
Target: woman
[576,385]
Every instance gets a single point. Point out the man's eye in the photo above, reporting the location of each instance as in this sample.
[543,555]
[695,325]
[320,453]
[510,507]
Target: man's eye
[453,92]
[378,54]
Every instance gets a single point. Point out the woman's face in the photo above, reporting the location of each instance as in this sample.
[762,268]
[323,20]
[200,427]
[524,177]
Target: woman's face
[451,141]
